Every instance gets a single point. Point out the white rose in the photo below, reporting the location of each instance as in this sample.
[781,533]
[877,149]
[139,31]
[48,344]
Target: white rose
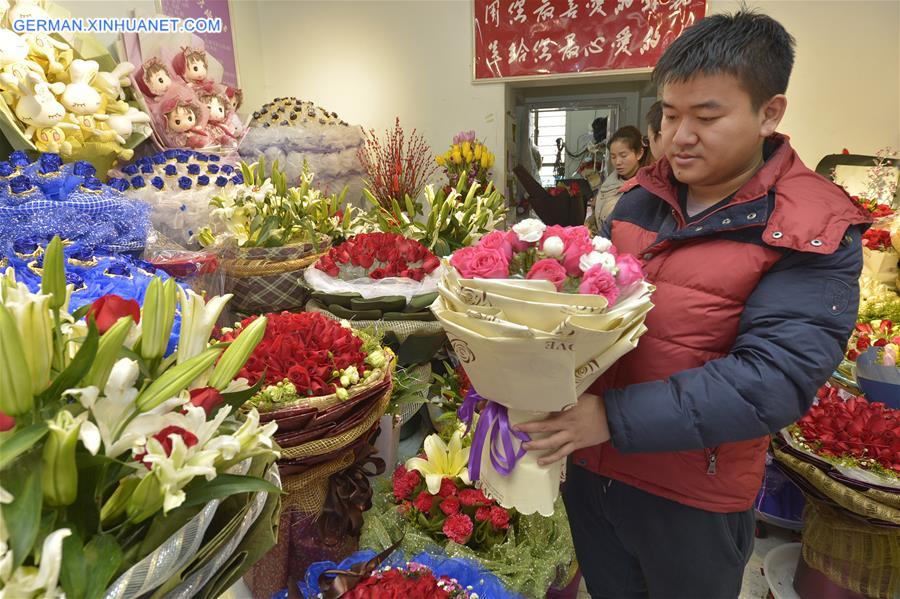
[530,230]
[601,244]
[554,246]
[606,260]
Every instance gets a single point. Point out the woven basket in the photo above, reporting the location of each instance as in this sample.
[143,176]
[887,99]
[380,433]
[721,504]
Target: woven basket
[268,279]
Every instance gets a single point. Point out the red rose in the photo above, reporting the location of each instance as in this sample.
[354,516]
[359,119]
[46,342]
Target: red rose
[447,488]
[548,269]
[598,281]
[458,528]
[6,422]
[483,514]
[107,310]
[164,438]
[499,518]
[207,398]
[480,263]
[863,342]
[424,502]
[450,505]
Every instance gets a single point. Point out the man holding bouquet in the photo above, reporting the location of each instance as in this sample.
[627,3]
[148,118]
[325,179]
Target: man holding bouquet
[755,259]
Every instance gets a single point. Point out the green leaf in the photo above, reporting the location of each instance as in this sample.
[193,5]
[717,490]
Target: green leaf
[202,491]
[81,312]
[23,515]
[239,398]
[77,369]
[15,443]
[73,573]
[104,556]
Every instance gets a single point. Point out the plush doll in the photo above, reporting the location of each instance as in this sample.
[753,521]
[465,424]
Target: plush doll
[42,114]
[235,99]
[191,65]
[123,117]
[14,62]
[184,119]
[153,79]
[54,55]
[85,103]
[218,126]
[111,83]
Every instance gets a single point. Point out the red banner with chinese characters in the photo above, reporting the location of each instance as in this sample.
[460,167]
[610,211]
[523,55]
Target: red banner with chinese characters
[527,38]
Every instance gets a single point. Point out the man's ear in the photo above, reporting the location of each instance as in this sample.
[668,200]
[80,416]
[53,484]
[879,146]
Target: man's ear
[771,114]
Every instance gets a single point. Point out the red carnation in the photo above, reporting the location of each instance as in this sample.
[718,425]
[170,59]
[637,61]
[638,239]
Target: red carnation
[458,528]
[402,489]
[473,497]
[107,310]
[499,518]
[447,488]
[424,502]
[450,506]
[483,514]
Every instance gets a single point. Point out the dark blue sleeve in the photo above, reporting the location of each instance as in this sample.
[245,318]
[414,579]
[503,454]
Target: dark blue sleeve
[791,336]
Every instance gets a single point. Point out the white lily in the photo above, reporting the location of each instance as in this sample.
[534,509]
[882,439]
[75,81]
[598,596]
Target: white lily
[175,470]
[28,581]
[197,321]
[255,440]
[443,461]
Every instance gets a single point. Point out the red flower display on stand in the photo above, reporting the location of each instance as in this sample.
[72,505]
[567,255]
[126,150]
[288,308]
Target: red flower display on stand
[853,432]
[877,333]
[379,255]
[308,349]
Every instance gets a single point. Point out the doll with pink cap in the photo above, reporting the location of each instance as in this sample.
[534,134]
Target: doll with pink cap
[154,79]
[218,124]
[191,65]
[184,118]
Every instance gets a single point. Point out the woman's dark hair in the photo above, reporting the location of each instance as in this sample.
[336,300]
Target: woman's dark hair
[753,47]
[654,118]
[634,140]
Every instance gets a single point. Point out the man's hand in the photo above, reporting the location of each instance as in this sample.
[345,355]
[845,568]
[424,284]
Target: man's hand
[584,425]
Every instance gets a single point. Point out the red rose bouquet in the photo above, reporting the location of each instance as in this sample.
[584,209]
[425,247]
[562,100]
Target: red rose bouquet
[414,581]
[309,355]
[873,207]
[377,256]
[457,512]
[878,240]
[860,438]
[877,333]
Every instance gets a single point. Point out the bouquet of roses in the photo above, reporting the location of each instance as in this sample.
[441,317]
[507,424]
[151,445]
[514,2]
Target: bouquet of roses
[877,333]
[552,296]
[378,256]
[878,240]
[861,439]
[308,355]
[874,207]
[106,442]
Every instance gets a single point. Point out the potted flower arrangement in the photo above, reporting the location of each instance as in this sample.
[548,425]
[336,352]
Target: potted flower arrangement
[431,501]
[327,386]
[114,455]
[268,233]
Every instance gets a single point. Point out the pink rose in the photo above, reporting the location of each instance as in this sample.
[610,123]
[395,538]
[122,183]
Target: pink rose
[548,269]
[629,270]
[598,281]
[498,240]
[481,263]
[515,243]
[577,242]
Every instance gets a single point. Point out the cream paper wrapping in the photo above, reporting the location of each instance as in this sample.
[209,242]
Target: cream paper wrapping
[534,350]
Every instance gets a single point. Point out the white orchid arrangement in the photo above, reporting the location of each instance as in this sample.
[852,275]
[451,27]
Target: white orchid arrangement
[102,433]
[265,212]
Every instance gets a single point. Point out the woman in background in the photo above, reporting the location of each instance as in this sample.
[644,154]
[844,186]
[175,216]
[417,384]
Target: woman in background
[627,154]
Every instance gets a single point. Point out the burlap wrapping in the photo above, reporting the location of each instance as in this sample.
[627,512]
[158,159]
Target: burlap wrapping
[341,440]
[268,279]
[857,556]
[851,534]
[306,492]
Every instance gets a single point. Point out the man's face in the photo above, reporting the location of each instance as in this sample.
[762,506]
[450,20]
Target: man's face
[710,130]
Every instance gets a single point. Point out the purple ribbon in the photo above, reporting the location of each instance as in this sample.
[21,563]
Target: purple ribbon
[494,422]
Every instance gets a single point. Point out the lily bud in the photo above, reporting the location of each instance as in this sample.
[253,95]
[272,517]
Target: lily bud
[176,379]
[146,500]
[53,283]
[32,314]
[16,396]
[59,473]
[114,508]
[108,350]
[157,318]
[237,353]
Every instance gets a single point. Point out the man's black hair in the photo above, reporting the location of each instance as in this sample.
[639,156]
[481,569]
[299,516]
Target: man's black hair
[654,117]
[753,47]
